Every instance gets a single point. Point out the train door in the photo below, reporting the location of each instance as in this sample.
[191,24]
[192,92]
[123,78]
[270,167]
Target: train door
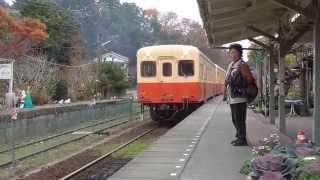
[166,68]
[166,77]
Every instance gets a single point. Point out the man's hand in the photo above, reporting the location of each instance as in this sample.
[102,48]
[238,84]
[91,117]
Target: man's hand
[224,94]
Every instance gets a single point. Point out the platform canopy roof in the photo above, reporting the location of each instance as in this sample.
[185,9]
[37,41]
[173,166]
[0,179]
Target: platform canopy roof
[233,20]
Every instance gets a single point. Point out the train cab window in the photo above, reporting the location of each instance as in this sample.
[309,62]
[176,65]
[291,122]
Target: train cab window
[148,69]
[186,68]
[167,69]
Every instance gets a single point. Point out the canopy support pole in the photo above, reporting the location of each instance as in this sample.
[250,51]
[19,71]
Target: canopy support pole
[316,82]
[281,98]
[271,89]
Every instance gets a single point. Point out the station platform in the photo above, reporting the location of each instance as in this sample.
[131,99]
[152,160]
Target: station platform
[198,148]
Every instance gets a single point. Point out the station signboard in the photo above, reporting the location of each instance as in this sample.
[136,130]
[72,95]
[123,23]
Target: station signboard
[5,71]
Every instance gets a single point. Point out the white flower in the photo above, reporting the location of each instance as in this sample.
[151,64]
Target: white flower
[274,135]
[310,158]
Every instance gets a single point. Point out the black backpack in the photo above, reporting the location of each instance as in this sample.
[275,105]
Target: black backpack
[251,92]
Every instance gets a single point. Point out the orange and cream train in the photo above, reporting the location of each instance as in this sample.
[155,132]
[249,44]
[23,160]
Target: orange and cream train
[173,80]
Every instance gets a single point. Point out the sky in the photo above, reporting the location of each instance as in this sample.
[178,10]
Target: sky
[184,8]
[9,1]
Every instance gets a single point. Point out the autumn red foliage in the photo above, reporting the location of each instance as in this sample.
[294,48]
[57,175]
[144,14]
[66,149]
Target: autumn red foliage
[18,36]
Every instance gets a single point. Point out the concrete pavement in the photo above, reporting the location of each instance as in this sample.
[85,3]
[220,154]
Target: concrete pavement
[199,148]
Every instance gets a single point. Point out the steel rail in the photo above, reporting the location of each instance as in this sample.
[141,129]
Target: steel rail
[90,164]
[61,144]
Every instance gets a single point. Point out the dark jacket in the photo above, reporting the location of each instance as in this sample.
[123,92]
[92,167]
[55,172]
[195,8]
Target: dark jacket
[238,78]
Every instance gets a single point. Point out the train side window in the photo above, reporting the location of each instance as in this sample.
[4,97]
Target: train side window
[148,69]
[167,69]
[186,68]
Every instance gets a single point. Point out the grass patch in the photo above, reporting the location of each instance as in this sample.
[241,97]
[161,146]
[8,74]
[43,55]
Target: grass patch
[55,154]
[104,149]
[44,158]
[4,173]
[135,148]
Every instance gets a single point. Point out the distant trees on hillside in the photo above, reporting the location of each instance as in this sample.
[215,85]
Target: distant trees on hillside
[130,28]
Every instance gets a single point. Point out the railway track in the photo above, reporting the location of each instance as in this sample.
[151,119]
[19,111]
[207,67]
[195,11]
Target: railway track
[27,150]
[94,162]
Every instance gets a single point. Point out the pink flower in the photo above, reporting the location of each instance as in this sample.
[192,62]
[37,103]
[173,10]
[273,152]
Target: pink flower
[305,151]
[269,162]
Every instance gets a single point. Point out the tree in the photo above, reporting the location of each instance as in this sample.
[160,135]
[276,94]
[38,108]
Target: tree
[169,28]
[152,27]
[94,18]
[18,36]
[290,61]
[112,79]
[127,24]
[189,32]
[60,25]
[130,28]
[252,55]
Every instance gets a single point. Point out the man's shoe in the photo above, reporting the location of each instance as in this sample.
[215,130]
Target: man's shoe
[234,141]
[240,143]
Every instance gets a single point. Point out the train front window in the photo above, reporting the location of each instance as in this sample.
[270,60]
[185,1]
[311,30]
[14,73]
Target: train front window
[148,69]
[167,69]
[186,68]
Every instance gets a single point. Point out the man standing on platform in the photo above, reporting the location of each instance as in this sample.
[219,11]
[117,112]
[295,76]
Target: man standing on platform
[237,79]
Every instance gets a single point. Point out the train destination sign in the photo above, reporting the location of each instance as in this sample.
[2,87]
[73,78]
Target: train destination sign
[5,71]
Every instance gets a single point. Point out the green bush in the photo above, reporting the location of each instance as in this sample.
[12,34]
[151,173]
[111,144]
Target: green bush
[112,80]
[51,87]
[84,92]
[61,90]
[294,92]
[39,96]
[246,168]
[314,177]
